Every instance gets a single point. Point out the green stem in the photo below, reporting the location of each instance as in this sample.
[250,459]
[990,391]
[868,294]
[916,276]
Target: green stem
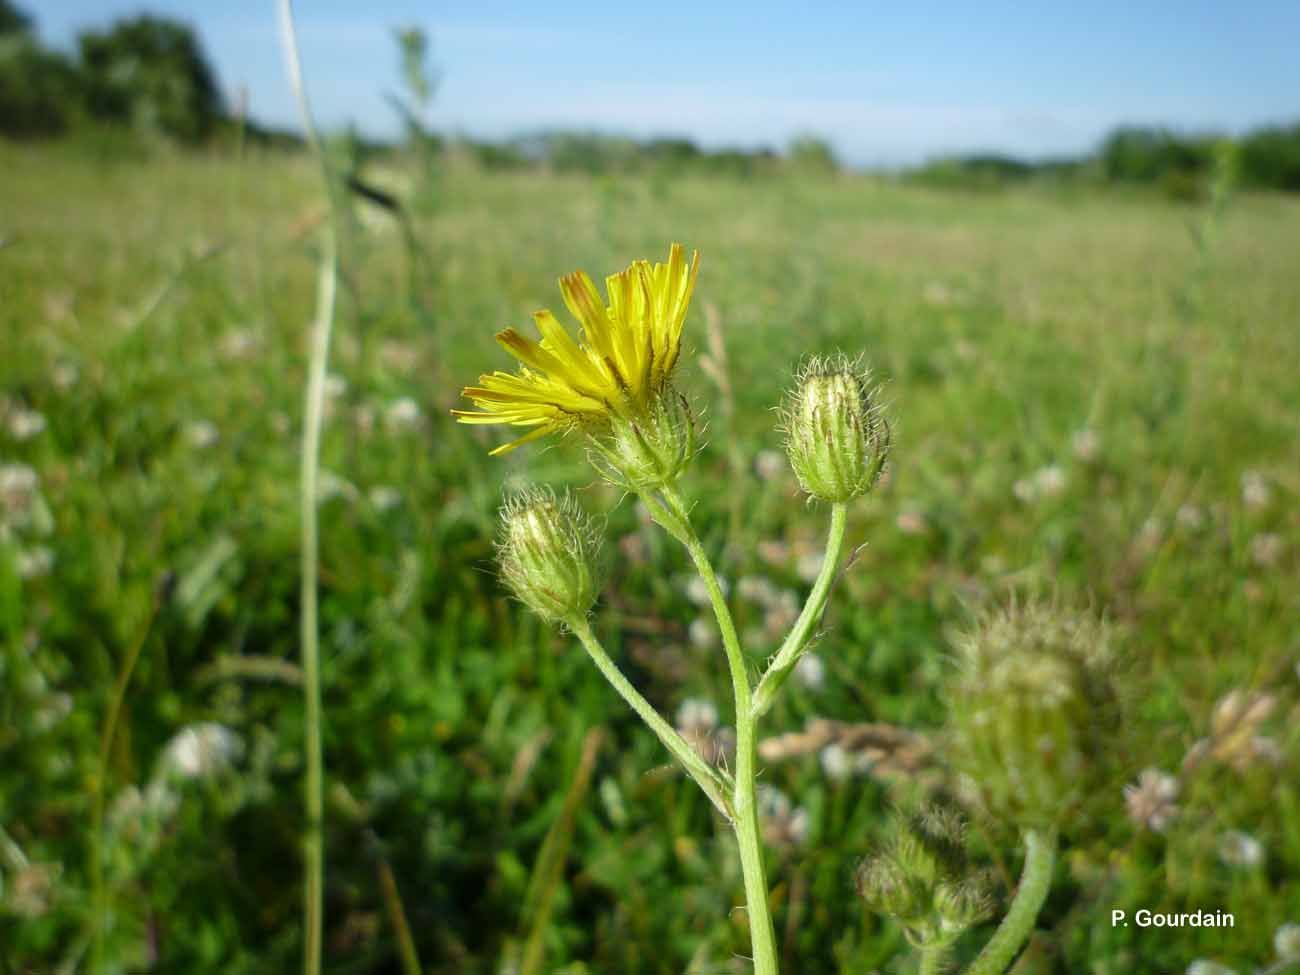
[933,960]
[327,288]
[709,779]
[786,658]
[744,798]
[1013,932]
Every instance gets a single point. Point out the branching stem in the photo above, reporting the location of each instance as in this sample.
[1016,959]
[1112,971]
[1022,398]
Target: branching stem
[709,779]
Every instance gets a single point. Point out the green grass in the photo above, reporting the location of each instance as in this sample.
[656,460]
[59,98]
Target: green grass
[179,290]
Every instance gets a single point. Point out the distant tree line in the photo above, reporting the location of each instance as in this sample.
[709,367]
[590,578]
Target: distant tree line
[1182,165]
[144,72]
[150,74]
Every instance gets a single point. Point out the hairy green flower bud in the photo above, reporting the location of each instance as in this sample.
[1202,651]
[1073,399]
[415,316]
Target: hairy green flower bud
[888,889]
[549,551]
[963,904]
[1032,708]
[924,880]
[837,438]
[651,450]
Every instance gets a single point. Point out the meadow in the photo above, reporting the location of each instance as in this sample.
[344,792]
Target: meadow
[1094,395]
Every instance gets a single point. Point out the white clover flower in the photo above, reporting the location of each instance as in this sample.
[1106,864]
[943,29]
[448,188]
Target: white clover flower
[330,486]
[363,418]
[1238,849]
[782,613]
[202,750]
[35,562]
[1203,966]
[1151,801]
[1025,491]
[18,487]
[384,497]
[769,464]
[757,589]
[774,553]
[1286,942]
[31,888]
[1086,445]
[1190,516]
[809,565]
[1049,481]
[401,356]
[1266,549]
[811,671]
[1255,493]
[697,714]
[911,523]
[239,343]
[24,424]
[202,434]
[782,823]
[64,376]
[53,709]
[702,633]
[1150,534]
[403,414]
[836,762]
[335,385]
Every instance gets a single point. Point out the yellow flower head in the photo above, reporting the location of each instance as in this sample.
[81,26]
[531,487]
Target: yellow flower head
[618,368]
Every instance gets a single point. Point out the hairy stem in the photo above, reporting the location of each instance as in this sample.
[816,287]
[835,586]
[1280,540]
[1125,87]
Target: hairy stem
[783,663]
[744,797]
[709,779]
[1013,932]
[313,409]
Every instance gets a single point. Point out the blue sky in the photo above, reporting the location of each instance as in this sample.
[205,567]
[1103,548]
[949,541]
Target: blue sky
[886,83]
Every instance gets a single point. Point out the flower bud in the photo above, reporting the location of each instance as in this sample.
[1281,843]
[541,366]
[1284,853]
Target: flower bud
[648,450]
[837,438]
[963,904]
[924,879]
[549,551]
[1032,710]
[889,890]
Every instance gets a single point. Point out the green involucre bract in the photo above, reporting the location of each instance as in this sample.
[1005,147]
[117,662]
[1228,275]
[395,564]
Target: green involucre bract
[837,437]
[549,551]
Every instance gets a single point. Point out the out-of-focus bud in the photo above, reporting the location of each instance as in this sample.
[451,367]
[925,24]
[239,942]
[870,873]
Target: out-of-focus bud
[889,890]
[651,450]
[963,904]
[1033,709]
[837,437]
[549,552]
[923,878]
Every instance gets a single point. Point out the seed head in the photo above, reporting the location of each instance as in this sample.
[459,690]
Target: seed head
[549,552]
[837,438]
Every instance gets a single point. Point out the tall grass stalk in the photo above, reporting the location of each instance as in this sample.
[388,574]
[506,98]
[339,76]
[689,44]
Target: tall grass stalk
[99,890]
[313,411]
